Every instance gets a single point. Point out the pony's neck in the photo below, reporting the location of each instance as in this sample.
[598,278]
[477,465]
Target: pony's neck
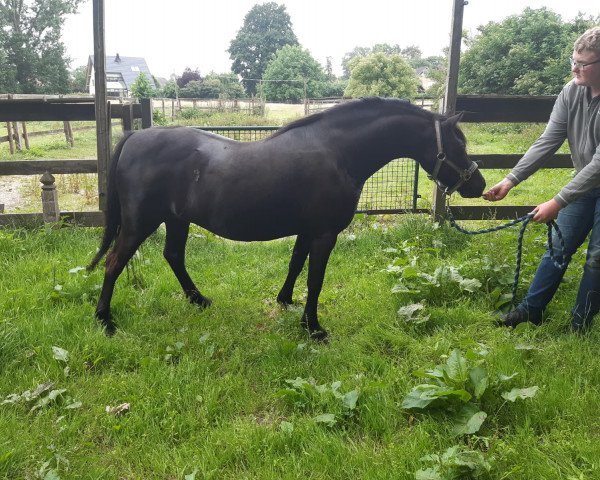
[380,139]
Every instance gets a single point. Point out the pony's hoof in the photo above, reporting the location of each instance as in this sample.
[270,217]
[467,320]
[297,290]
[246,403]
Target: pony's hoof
[319,336]
[285,302]
[110,330]
[198,299]
[107,324]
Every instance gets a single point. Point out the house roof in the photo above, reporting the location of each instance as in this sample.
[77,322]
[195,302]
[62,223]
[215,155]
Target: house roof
[128,67]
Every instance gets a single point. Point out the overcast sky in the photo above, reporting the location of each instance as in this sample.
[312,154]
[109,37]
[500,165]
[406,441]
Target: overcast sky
[175,34]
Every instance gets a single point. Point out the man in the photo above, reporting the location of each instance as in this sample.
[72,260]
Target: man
[576,117]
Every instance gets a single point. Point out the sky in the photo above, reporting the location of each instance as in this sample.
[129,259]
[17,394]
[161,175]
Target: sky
[175,34]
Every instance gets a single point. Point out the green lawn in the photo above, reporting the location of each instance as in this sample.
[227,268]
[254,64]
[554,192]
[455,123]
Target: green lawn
[238,391]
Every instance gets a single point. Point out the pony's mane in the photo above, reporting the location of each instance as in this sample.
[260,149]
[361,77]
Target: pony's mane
[353,105]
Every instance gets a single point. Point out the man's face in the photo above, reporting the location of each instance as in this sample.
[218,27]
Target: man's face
[585,67]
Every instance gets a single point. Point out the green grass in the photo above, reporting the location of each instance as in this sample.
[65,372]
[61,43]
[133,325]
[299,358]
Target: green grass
[204,386]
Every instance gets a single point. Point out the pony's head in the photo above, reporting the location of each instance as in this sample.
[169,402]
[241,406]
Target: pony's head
[451,168]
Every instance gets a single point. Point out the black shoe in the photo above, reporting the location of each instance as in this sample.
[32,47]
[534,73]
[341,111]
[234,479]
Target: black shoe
[516,317]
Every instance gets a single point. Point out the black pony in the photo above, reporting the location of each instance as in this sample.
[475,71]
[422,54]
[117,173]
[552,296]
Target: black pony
[304,180]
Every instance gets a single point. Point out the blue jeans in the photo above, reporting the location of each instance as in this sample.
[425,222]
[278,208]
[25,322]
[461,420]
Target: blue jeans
[575,221]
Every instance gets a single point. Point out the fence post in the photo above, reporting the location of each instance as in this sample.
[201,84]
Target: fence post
[127,119]
[17,136]
[146,112]
[11,140]
[439,199]
[50,209]
[306,109]
[25,135]
[101,104]
[68,132]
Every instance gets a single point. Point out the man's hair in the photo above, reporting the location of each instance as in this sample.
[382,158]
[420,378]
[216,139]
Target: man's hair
[590,40]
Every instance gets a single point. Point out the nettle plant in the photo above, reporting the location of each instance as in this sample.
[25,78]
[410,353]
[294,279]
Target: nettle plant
[458,389]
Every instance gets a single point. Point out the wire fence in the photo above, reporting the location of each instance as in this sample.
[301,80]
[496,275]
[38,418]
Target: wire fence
[393,189]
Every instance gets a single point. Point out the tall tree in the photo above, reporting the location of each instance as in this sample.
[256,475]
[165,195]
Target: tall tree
[79,79]
[188,76]
[142,87]
[382,75]
[266,29]
[292,74]
[525,54]
[34,55]
[214,85]
[411,52]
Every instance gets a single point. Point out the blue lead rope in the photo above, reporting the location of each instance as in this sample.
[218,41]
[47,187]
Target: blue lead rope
[562,264]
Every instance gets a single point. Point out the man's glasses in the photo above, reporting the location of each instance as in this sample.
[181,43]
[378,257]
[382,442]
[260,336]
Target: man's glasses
[582,65]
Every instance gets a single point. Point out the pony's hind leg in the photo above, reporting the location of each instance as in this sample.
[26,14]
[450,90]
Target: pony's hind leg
[299,254]
[174,252]
[126,244]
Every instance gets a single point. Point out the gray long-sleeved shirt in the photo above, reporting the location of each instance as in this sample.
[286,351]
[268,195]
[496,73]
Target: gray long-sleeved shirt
[576,117]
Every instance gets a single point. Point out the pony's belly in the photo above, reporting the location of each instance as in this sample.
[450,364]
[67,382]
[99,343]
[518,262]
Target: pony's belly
[251,229]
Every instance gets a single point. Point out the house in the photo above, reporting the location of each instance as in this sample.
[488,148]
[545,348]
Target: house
[121,72]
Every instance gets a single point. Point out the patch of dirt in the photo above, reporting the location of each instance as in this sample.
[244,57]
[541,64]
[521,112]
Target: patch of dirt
[10,196]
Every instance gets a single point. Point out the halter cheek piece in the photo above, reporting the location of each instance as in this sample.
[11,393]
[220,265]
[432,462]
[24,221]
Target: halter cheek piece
[463,174]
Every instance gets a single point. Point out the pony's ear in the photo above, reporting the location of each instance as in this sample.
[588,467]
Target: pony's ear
[454,119]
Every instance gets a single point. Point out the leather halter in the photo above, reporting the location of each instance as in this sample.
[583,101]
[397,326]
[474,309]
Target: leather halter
[464,175]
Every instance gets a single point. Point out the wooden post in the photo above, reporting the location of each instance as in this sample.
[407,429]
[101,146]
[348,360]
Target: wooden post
[109,129]
[17,136]
[146,112]
[127,117]
[439,199]
[68,132]
[70,129]
[172,109]
[102,120]
[25,135]
[305,98]
[11,140]
[50,209]
[163,108]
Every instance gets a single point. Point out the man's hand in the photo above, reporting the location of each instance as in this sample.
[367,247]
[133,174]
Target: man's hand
[546,211]
[498,191]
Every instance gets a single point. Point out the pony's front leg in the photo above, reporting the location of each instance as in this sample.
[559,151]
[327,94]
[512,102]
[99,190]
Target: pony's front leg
[320,249]
[299,254]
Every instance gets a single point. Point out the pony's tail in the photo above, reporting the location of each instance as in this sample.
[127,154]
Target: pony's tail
[113,207]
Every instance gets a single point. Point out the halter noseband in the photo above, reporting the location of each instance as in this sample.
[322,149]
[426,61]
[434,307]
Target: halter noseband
[463,174]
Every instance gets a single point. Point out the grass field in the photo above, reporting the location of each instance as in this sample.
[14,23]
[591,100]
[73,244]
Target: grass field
[238,391]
